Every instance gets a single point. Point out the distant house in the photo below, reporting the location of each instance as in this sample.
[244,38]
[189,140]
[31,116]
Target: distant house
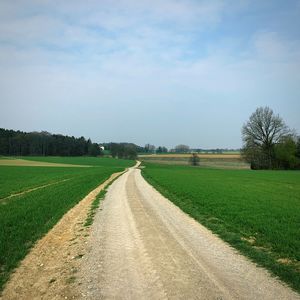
[101,148]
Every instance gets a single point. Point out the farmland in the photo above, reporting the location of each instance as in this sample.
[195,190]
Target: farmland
[256,212]
[81,160]
[220,161]
[40,196]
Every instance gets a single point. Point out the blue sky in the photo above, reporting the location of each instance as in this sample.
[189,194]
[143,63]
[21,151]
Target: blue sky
[161,72]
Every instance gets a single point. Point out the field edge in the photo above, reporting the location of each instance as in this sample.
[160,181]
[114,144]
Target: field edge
[261,258]
[25,250]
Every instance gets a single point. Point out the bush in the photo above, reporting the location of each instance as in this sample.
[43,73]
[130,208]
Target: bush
[194,160]
[285,154]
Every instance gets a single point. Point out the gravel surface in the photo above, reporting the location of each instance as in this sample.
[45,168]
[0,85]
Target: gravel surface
[49,269]
[143,247]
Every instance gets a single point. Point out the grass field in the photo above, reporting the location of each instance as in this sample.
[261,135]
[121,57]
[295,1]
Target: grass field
[81,160]
[14,180]
[201,155]
[25,218]
[257,212]
[220,161]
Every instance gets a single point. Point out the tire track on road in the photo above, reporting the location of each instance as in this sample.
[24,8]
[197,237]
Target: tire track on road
[144,247]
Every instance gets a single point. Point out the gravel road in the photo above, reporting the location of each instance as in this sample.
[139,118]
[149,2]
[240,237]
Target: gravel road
[144,247]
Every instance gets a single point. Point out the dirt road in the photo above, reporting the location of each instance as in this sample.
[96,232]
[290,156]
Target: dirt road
[48,272]
[144,247]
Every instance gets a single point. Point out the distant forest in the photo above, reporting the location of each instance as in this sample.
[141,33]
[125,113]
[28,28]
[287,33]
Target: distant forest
[19,143]
[44,143]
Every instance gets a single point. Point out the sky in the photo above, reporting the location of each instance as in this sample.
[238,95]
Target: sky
[164,72]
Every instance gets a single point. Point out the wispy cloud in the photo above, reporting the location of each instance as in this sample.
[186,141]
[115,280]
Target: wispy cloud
[75,60]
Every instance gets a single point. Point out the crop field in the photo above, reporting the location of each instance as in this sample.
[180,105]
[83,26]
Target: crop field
[257,212]
[186,155]
[220,161]
[81,160]
[33,199]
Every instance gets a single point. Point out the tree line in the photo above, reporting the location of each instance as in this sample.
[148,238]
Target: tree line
[269,143]
[44,143]
[19,143]
[123,150]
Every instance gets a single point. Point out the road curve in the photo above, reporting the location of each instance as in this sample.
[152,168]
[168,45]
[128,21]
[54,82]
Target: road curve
[144,247]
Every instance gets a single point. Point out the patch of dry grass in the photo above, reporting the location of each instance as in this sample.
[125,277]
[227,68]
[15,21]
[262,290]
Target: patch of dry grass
[30,163]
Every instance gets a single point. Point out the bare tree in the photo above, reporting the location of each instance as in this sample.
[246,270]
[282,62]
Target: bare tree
[194,159]
[263,130]
[161,149]
[182,148]
[149,148]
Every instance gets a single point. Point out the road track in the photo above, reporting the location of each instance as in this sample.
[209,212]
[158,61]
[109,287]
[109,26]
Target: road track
[144,247]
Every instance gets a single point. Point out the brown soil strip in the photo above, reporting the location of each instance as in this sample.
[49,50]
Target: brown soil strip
[30,163]
[31,190]
[49,270]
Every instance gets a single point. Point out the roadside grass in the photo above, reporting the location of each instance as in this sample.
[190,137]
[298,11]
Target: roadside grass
[96,203]
[257,212]
[26,218]
[94,206]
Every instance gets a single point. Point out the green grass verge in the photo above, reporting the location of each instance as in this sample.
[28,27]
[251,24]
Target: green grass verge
[257,212]
[26,218]
[91,215]
[94,206]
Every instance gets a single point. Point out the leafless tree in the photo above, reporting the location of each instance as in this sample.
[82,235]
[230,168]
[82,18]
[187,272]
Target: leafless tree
[182,148]
[263,130]
[194,159]
[150,148]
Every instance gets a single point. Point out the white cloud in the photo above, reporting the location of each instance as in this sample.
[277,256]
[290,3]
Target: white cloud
[132,54]
[270,46]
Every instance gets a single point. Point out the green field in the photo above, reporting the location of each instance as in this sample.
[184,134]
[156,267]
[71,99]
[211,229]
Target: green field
[82,160]
[26,218]
[219,161]
[257,212]
[18,179]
